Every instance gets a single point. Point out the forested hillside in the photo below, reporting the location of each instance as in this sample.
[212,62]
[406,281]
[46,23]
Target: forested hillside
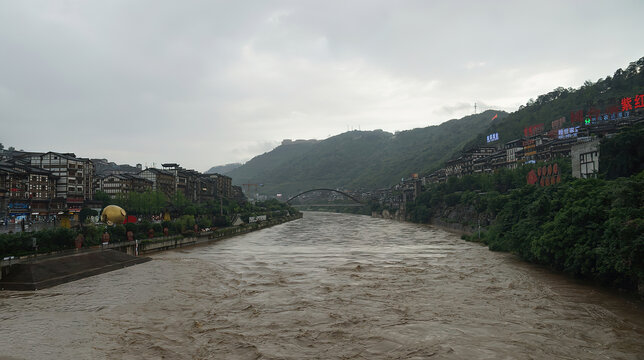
[560,102]
[590,228]
[374,159]
[360,159]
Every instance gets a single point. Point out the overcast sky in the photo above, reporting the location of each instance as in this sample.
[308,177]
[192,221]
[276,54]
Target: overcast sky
[204,83]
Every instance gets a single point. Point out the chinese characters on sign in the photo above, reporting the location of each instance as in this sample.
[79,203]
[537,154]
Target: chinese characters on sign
[492,137]
[567,132]
[557,124]
[533,130]
[636,102]
[611,113]
[544,176]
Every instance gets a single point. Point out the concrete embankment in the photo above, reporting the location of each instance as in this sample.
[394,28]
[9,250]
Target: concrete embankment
[160,244]
[459,219]
[42,272]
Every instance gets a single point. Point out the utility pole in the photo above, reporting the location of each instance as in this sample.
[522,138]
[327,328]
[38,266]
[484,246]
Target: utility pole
[474,108]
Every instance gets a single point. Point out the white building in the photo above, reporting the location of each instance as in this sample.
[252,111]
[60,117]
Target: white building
[585,158]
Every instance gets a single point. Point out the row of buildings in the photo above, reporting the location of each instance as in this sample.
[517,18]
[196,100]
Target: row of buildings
[38,186]
[580,144]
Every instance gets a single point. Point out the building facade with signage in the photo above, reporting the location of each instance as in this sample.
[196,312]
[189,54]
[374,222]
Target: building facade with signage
[26,192]
[75,177]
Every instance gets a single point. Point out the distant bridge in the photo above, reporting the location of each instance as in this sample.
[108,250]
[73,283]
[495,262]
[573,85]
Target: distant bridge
[323,189]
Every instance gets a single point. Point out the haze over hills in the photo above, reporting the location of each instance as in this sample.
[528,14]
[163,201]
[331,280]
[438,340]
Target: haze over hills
[603,94]
[375,159]
[223,169]
[360,159]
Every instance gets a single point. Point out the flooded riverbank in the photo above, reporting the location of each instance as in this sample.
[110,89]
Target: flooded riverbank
[327,286]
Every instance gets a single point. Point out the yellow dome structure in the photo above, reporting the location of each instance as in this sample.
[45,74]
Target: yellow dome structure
[113,214]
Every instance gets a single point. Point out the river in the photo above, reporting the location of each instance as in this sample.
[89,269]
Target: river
[326,286]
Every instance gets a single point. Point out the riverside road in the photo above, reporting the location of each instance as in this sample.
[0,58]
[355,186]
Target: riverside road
[326,286]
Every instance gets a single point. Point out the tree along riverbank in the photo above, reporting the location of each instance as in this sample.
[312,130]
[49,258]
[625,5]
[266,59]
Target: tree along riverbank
[589,228]
[39,272]
[62,239]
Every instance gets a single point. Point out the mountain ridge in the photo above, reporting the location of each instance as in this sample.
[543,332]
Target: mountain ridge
[359,159]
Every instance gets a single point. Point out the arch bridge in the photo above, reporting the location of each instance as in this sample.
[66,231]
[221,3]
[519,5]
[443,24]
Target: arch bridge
[324,189]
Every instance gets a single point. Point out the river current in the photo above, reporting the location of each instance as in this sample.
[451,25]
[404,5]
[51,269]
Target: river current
[326,286]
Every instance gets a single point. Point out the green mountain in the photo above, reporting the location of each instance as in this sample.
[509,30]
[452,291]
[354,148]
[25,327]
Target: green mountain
[601,96]
[360,159]
[374,159]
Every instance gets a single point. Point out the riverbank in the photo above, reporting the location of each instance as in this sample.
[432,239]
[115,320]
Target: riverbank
[161,244]
[341,285]
[35,273]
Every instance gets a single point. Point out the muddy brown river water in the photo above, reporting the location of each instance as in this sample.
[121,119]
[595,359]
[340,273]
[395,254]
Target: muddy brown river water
[326,286]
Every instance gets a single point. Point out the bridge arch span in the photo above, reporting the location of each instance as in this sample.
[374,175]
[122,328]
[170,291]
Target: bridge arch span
[324,189]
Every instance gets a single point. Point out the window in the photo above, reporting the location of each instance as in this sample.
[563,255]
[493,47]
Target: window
[587,164]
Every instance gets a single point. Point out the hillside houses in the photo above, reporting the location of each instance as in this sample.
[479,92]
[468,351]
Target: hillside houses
[580,144]
[39,186]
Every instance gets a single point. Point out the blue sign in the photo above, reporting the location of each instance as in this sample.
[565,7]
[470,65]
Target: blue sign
[492,137]
[18,206]
[567,132]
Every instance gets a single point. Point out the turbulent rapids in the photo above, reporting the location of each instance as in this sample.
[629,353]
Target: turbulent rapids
[325,286]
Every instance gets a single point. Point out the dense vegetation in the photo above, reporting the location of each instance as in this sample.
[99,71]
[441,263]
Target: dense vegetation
[590,228]
[359,159]
[156,202]
[622,155]
[58,239]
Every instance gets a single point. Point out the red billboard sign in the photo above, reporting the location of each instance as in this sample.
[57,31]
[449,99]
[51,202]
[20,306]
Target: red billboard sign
[544,176]
[533,130]
[630,103]
[557,124]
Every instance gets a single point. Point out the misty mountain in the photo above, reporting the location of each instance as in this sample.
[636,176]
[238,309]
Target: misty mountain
[360,159]
[374,159]
[223,169]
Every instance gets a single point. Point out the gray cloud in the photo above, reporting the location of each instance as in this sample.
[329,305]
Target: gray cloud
[212,82]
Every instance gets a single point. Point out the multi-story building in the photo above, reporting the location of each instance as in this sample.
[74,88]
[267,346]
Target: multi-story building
[206,188]
[512,149]
[116,184]
[224,185]
[186,181]
[75,177]
[26,192]
[238,194]
[162,180]
[464,164]
[585,158]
